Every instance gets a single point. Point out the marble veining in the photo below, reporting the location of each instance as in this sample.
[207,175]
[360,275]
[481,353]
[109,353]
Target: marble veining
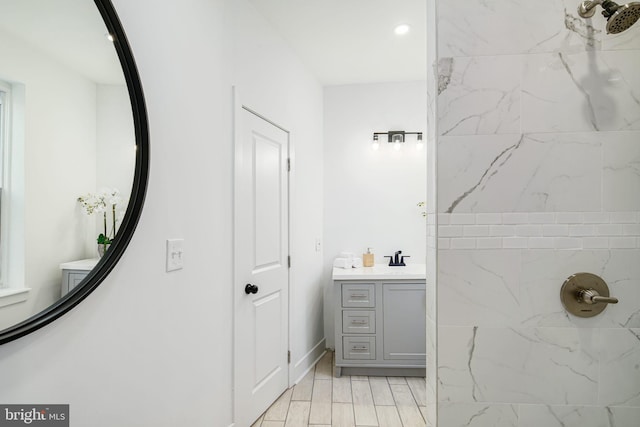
[479,96]
[518,368]
[492,170]
[619,374]
[500,279]
[621,172]
[582,27]
[571,415]
[592,113]
[472,347]
[580,91]
[524,173]
[632,321]
[478,415]
[570,368]
[445,70]
[470,278]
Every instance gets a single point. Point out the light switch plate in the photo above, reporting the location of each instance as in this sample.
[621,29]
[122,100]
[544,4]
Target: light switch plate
[175,254]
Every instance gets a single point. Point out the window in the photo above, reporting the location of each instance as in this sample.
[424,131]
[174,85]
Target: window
[12,284]
[4,96]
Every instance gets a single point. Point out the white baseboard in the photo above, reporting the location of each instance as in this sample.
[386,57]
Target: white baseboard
[308,361]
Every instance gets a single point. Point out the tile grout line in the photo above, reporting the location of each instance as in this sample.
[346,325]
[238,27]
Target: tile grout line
[288,412]
[331,379]
[333,364]
[395,402]
[375,411]
[415,399]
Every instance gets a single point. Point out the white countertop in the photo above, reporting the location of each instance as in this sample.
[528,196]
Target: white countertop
[381,272]
[83,264]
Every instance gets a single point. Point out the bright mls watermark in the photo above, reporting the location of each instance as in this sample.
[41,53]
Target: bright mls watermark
[34,415]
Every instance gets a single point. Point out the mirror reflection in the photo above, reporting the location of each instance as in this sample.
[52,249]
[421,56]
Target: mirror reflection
[66,132]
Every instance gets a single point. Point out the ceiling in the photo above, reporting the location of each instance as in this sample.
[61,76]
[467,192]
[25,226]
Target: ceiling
[72,31]
[340,41]
[352,41]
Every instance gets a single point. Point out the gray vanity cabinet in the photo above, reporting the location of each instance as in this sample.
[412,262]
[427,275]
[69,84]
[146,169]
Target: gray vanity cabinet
[404,322]
[380,327]
[71,279]
[75,272]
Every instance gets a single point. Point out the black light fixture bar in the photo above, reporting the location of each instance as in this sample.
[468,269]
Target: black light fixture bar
[398,134]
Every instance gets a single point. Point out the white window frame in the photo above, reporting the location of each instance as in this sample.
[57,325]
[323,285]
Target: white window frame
[10,293]
[5,135]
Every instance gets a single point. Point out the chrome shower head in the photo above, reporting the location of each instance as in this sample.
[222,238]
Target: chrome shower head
[619,18]
[622,18]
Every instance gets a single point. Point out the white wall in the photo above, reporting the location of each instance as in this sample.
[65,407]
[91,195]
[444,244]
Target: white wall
[370,197]
[58,165]
[146,339]
[154,346]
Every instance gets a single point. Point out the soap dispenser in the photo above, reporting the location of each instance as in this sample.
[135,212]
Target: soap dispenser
[367,259]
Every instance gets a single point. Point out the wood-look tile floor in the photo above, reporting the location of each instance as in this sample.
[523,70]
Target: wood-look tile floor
[321,400]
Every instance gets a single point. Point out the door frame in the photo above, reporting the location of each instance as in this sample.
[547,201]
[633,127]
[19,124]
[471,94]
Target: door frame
[238,107]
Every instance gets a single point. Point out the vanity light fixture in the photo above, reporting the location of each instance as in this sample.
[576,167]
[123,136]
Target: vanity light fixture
[397,138]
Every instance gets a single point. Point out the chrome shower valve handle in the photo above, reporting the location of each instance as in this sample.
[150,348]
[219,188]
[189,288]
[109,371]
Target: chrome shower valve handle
[585,295]
[591,296]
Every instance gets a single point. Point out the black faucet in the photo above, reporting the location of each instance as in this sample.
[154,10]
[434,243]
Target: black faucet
[397,260]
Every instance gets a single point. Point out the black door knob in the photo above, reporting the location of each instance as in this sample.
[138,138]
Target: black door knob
[250,289]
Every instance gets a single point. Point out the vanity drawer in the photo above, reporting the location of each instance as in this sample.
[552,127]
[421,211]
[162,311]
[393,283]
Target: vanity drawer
[359,348]
[358,322]
[358,295]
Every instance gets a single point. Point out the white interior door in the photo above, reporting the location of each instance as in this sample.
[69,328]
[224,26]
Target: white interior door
[261,266]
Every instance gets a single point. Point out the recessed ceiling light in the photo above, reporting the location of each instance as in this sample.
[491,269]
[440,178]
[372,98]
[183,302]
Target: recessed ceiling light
[401,29]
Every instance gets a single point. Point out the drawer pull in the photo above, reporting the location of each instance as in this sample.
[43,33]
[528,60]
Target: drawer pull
[359,322]
[354,348]
[359,295]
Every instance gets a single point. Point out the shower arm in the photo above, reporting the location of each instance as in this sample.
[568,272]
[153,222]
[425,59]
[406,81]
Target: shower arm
[588,8]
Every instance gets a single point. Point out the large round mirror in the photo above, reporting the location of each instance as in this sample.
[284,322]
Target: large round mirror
[73,155]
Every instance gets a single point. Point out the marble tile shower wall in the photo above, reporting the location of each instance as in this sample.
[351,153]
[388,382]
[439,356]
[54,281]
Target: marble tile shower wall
[538,155]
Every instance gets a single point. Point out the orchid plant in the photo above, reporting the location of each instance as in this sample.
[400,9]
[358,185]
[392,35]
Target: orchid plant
[101,203]
[422,205]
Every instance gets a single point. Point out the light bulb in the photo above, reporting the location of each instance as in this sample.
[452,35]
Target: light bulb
[397,146]
[375,146]
[419,143]
[401,29]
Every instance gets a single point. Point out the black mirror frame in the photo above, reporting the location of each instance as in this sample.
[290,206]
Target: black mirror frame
[136,201]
